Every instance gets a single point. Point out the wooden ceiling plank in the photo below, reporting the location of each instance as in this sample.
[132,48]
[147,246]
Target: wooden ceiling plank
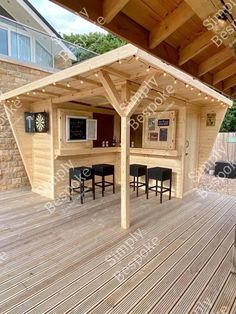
[202,8]
[214,61]
[225,73]
[170,24]
[199,44]
[229,83]
[112,7]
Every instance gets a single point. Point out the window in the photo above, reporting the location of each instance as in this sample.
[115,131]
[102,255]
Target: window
[3,41]
[43,57]
[20,47]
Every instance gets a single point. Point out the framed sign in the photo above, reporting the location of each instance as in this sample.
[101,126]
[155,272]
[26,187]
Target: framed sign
[163,122]
[159,130]
[153,136]
[211,119]
[151,124]
[29,122]
[163,134]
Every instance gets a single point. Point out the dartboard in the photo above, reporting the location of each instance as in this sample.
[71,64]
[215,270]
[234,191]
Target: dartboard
[41,122]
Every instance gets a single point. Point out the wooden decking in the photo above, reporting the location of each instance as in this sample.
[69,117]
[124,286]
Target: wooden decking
[176,258]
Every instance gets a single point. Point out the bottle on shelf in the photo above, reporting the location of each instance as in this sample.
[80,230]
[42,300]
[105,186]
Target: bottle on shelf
[107,144]
[103,143]
[114,141]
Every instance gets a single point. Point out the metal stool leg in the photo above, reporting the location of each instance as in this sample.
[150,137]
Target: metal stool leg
[161,192]
[93,187]
[170,188]
[134,183]
[81,192]
[137,186]
[234,255]
[147,188]
[103,185]
[114,183]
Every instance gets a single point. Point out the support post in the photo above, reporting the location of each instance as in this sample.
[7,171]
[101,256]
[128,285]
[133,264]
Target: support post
[125,164]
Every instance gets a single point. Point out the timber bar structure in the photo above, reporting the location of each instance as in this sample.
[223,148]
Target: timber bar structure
[135,88]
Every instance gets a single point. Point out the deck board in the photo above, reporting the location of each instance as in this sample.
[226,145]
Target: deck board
[57,263]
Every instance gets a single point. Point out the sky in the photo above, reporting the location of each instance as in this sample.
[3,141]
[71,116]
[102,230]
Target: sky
[62,20]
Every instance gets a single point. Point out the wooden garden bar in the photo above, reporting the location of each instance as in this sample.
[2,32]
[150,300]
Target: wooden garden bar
[133,87]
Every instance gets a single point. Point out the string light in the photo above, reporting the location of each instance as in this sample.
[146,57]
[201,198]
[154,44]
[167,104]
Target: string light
[137,58]
[186,85]
[164,74]
[175,81]
[28,94]
[34,93]
[148,69]
[54,83]
[68,84]
[81,82]
[191,88]
[206,97]
[212,100]
[43,90]
[96,74]
[17,97]
[218,100]
[120,61]
[199,94]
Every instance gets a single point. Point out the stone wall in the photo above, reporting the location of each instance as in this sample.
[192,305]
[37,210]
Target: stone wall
[12,171]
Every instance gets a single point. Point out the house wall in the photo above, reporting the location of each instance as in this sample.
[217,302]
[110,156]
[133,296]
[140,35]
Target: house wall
[12,170]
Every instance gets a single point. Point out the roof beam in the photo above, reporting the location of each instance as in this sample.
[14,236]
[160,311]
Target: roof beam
[195,47]
[229,83]
[112,7]
[170,24]
[225,73]
[214,61]
[80,95]
[112,92]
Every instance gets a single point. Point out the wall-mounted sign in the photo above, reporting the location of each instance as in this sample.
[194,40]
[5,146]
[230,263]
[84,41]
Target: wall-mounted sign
[163,134]
[163,122]
[153,136]
[41,122]
[29,122]
[211,119]
[151,124]
[36,122]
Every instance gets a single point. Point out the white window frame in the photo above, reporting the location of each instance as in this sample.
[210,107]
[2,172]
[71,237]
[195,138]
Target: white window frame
[33,40]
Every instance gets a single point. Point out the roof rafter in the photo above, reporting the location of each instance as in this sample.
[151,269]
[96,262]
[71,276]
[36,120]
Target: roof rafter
[170,24]
[112,7]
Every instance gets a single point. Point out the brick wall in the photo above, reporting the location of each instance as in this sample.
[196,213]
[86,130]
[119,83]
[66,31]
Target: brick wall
[12,171]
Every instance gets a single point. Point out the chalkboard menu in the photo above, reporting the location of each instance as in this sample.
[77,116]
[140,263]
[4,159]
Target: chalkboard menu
[76,129]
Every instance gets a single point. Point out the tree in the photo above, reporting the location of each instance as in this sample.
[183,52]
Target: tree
[96,42]
[229,123]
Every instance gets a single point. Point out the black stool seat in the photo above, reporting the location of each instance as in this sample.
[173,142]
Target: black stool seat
[104,170]
[81,175]
[136,171]
[159,174]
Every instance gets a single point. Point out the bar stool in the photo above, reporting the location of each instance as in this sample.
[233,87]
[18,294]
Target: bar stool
[81,174]
[137,171]
[162,175]
[104,170]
